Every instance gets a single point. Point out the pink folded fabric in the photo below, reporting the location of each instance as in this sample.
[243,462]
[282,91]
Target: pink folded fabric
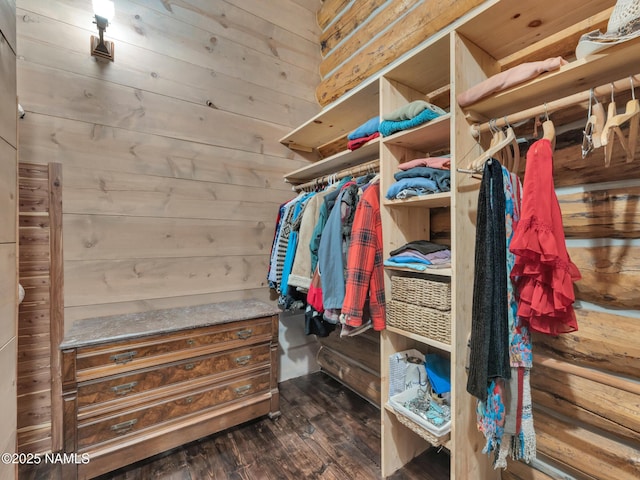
[443,163]
[358,142]
[509,78]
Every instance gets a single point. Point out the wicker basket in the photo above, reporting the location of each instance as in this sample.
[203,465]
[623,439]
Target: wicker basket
[428,322]
[424,433]
[418,291]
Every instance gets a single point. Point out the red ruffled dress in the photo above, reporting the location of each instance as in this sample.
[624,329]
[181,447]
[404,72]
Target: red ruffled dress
[543,273]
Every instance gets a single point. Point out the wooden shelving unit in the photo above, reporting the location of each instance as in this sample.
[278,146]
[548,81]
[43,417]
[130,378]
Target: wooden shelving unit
[467,52]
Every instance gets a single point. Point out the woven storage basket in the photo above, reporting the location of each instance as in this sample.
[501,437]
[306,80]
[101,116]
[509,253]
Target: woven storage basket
[418,291]
[423,432]
[428,322]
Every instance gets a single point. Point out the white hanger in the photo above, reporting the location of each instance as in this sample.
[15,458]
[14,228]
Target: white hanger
[612,127]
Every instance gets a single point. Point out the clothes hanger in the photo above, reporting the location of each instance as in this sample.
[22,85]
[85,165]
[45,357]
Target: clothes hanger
[549,129]
[513,151]
[612,127]
[509,139]
[592,133]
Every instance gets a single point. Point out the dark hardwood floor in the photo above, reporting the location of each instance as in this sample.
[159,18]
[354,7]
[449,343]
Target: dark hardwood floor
[325,432]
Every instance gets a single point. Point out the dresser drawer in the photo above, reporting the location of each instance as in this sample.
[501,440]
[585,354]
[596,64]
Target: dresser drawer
[118,357]
[131,421]
[100,393]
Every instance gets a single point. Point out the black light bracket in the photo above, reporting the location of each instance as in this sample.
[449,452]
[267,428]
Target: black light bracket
[99,47]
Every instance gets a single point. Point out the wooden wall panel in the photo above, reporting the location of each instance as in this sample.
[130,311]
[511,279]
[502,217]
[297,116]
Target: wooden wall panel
[121,150]
[8,405]
[8,191]
[46,42]
[8,23]
[9,112]
[8,287]
[329,10]
[172,164]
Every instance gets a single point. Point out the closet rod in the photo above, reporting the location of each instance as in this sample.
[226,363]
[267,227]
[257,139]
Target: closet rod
[369,167]
[547,108]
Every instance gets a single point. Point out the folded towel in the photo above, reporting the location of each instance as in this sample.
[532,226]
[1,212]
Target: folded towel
[433,162]
[367,128]
[441,177]
[413,109]
[388,127]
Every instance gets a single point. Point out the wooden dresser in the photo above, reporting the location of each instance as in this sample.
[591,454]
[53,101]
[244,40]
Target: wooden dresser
[138,384]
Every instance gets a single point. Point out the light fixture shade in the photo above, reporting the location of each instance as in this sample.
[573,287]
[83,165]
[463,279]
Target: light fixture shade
[104,8]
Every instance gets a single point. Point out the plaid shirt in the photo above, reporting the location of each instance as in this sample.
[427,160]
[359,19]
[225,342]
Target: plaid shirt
[365,271]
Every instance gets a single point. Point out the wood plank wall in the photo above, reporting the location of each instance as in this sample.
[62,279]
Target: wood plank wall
[172,165]
[40,313]
[358,39]
[8,234]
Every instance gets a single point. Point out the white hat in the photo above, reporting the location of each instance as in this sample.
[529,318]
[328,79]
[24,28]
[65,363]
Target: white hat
[624,24]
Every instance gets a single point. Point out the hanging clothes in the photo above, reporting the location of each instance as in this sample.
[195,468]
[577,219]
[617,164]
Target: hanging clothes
[506,418]
[489,343]
[365,270]
[543,272]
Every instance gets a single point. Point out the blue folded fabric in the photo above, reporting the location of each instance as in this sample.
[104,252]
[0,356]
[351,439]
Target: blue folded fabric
[388,127]
[408,259]
[440,176]
[367,128]
[420,267]
[426,185]
[438,372]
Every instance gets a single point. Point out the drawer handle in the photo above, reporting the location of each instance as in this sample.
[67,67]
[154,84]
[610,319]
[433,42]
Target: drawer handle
[243,360]
[124,389]
[124,427]
[244,334]
[190,366]
[123,357]
[191,342]
[243,390]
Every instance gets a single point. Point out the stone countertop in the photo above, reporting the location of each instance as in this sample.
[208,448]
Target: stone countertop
[93,331]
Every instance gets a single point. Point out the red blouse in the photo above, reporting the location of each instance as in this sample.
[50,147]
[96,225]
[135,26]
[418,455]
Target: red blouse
[543,273]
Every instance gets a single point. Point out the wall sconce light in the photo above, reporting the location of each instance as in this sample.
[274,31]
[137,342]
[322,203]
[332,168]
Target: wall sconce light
[104,11]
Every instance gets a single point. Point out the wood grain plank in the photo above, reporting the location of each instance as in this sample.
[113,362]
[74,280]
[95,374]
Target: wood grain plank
[588,402]
[329,10]
[605,341]
[8,92]
[8,287]
[110,193]
[8,402]
[154,31]
[362,35]
[53,43]
[7,22]
[610,275]
[34,441]
[101,237]
[224,19]
[114,105]
[603,213]
[587,451]
[8,191]
[426,19]
[522,471]
[111,148]
[287,14]
[88,282]
[348,23]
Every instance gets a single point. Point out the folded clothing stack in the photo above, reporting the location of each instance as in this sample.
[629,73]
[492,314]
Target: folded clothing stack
[408,116]
[365,132]
[421,176]
[420,255]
